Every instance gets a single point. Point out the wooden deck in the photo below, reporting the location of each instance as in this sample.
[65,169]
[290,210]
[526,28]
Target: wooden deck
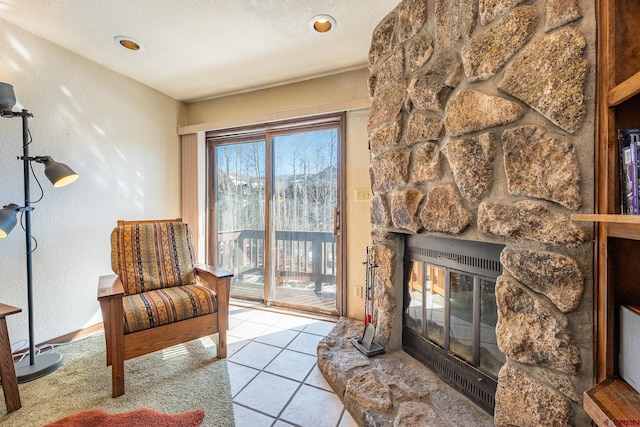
[300,298]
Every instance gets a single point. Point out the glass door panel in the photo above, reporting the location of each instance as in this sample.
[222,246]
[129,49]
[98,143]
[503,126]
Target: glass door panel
[414,313]
[491,358]
[461,313]
[435,294]
[240,216]
[304,195]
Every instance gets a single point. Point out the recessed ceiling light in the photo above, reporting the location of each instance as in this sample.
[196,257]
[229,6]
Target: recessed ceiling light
[322,23]
[129,43]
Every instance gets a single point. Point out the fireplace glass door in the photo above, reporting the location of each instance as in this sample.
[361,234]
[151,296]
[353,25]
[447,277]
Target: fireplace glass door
[457,311]
[450,312]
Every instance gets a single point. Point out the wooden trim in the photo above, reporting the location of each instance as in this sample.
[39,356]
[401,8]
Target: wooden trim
[604,314]
[611,218]
[76,335]
[605,187]
[334,107]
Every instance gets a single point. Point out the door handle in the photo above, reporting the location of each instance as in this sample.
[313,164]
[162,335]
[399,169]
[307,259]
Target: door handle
[336,221]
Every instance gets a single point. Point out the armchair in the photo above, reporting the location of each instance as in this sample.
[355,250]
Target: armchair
[158,297]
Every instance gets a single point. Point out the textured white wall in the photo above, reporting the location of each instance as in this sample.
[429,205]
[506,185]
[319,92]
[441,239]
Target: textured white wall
[119,136]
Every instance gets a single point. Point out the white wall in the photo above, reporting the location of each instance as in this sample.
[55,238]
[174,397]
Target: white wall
[119,136]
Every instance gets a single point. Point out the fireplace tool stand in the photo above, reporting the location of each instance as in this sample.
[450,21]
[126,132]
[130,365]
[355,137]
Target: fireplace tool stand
[365,344]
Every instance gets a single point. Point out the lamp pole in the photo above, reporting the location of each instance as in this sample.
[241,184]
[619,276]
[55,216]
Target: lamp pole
[37,365]
[41,364]
[27,229]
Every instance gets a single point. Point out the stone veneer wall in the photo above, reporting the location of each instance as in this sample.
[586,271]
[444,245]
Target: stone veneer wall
[481,128]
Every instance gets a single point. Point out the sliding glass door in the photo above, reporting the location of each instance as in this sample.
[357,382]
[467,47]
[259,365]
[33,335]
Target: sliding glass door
[275,213]
[305,185]
[240,215]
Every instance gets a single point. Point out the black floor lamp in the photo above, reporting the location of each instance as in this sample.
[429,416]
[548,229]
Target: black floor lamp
[37,365]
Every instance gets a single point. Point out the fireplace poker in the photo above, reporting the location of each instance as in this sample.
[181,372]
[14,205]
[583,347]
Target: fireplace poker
[365,344]
[370,277]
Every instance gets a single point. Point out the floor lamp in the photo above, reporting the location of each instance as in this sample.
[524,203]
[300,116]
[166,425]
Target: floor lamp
[37,365]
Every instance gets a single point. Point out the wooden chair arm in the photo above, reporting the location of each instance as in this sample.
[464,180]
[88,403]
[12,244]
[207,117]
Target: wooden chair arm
[110,287]
[216,279]
[219,273]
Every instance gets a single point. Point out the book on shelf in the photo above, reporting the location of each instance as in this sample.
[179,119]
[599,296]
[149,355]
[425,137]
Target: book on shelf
[628,144]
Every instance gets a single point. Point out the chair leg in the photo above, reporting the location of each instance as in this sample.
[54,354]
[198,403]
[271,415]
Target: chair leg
[223,288]
[117,375]
[114,332]
[222,343]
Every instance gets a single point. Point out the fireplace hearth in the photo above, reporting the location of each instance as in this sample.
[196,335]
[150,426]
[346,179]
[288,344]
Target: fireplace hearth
[450,312]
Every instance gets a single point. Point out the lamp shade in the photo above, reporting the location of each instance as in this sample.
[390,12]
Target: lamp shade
[58,173]
[7,96]
[8,219]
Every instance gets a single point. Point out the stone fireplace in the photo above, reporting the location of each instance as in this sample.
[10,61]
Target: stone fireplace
[481,129]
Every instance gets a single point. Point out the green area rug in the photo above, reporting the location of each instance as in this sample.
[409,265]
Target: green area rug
[178,379]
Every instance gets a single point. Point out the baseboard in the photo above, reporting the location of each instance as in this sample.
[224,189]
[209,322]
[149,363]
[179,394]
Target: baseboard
[77,335]
[67,338]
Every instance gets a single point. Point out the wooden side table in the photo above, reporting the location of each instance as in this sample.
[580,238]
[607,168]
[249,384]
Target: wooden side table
[7,368]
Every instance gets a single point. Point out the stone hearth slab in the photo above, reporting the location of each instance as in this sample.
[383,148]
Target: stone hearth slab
[391,390]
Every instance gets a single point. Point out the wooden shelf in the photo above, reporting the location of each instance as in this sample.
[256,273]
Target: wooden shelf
[611,401]
[610,218]
[625,90]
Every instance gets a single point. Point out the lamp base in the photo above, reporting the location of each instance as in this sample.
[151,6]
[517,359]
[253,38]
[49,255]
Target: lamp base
[45,363]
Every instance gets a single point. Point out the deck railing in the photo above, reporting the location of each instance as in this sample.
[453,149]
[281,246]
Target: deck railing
[300,256]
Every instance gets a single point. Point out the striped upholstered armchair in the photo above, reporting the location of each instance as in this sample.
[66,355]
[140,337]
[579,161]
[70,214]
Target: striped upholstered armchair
[158,297]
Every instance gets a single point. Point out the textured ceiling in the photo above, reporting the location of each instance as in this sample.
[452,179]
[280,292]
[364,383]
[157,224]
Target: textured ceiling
[198,49]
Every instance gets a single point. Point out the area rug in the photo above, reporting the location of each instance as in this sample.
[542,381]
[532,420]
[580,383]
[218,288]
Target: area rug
[138,418]
[179,379]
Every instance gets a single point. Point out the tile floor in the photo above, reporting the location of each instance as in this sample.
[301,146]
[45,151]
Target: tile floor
[274,376]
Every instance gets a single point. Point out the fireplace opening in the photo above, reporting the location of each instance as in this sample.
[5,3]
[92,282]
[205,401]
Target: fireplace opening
[450,312]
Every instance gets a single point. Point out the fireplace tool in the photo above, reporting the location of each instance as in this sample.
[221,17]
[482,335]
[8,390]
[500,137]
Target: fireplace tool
[365,343]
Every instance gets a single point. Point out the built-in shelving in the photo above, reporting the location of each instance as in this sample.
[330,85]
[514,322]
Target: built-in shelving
[617,236]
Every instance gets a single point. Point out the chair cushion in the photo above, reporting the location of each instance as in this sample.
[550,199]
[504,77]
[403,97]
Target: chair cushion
[162,306]
[152,256]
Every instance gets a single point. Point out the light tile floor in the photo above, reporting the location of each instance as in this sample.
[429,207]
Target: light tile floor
[274,376]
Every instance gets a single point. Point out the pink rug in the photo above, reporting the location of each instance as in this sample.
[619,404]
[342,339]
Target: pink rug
[136,418]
